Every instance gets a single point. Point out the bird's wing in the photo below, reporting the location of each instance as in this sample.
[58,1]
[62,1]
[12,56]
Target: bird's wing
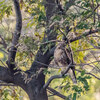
[68,55]
[60,57]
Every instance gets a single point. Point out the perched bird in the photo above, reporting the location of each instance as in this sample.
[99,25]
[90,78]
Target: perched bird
[62,58]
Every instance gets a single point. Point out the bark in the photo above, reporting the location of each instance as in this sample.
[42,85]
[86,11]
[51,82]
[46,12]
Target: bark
[32,85]
[35,86]
[16,35]
[33,80]
[5,75]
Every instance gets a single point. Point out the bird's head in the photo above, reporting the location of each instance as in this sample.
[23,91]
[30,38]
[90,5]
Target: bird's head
[61,44]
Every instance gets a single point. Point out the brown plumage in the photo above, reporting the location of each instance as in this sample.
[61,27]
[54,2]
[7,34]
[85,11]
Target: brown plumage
[62,58]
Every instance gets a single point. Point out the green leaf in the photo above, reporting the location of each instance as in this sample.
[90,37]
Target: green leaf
[67,86]
[83,25]
[59,70]
[83,73]
[74,96]
[1,2]
[78,2]
[87,77]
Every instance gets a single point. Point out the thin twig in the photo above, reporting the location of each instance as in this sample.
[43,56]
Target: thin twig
[85,34]
[3,51]
[86,17]
[85,49]
[6,84]
[3,63]
[3,42]
[81,7]
[86,63]
[76,38]
[56,67]
[49,42]
[89,74]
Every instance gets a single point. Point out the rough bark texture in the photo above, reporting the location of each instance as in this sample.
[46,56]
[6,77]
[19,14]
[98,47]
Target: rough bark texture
[35,80]
[33,84]
[33,87]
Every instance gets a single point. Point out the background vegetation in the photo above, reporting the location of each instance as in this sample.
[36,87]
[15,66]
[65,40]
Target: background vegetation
[81,17]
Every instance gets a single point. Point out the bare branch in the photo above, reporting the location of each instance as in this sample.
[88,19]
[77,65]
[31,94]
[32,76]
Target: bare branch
[89,74]
[76,38]
[85,49]
[87,63]
[56,93]
[16,35]
[84,35]
[98,10]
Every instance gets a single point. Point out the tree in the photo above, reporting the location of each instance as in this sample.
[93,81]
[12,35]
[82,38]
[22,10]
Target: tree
[77,20]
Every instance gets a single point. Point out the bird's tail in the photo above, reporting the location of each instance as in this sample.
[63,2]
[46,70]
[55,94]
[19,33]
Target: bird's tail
[73,76]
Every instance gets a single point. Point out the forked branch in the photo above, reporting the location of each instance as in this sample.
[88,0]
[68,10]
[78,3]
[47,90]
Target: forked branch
[56,76]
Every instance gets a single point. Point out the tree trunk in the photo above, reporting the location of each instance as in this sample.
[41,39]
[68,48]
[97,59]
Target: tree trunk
[39,96]
[35,89]
[33,86]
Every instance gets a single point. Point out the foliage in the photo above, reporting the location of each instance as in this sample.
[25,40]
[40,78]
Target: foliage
[81,17]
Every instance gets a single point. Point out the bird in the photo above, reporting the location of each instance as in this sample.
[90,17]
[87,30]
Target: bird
[62,58]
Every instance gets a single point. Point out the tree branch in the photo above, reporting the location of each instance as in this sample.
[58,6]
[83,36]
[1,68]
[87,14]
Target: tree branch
[82,64]
[84,35]
[50,80]
[89,74]
[86,17]
[72,40]
[17,79]
[3,42]
[56,76]
[41,56]
[16,35]
[56,93]
[69,4]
